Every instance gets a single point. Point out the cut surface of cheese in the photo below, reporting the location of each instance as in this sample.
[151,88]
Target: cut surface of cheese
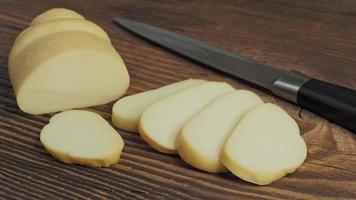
[66,70]
[55,14]
[265,146]
[161,122]
[127,111]
[202,138]
[38,31]
[82,137]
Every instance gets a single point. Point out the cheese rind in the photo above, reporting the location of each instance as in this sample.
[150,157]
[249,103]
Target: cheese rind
[82,137]
[265,146]
[202,138]
[67,70]
[128,110]
[38,31]
[55,14]
[161,122]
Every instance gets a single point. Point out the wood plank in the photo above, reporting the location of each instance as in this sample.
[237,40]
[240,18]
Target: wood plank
[315,37]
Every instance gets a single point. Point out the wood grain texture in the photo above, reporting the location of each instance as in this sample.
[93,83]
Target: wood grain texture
[315,37]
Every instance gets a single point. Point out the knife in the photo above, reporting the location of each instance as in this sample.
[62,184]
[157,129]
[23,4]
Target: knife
[333,102]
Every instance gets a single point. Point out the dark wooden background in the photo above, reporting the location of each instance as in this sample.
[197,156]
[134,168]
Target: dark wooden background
[315,37]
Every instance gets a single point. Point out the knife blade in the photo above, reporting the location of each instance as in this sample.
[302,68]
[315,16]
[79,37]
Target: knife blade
[333,102]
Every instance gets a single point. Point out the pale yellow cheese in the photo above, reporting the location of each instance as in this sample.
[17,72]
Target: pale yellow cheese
[265,146]
[55,14]
[202,138]
[66,70]
[161,122]
[38,31]
[82,137]
[127,111]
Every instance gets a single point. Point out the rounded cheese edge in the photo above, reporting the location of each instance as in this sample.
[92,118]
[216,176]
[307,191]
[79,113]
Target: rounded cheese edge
[153,143]
[38,31]
[54,14]
[189,155]
[124,123]
[259,179]
[262,178]
[69,159]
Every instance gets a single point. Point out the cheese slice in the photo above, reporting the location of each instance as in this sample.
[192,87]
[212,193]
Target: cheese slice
[202,138]
[127,111]
[82,137]
[66,70]
[38,31]
[265,146]
[161,122]
[54,14]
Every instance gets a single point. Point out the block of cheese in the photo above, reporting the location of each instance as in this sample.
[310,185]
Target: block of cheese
[82,137]
[265,146]
[55,14]
[38,31]
[127,111]
[202,138]
[62,62]
[65,70]
[161,122]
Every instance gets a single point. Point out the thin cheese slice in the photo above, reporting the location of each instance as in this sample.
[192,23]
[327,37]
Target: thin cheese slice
[82,137]
[55,14]
[161,122]
[38,31]
[265,146]
[66,70]
[202,138]
[127,111]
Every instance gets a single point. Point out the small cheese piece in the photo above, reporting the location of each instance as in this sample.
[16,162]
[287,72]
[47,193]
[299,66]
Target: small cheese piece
[127,111]
[38,31]
[82,137]
[161,122]
[202,138]
[66,70]
[54,14]
[265,146]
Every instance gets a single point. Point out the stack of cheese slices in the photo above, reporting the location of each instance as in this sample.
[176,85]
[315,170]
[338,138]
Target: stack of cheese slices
[215,128]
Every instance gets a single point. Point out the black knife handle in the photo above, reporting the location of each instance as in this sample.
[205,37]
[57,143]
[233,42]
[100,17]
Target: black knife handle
[335,103]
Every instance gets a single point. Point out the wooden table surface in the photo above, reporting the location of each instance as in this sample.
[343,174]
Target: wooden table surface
[316,37]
